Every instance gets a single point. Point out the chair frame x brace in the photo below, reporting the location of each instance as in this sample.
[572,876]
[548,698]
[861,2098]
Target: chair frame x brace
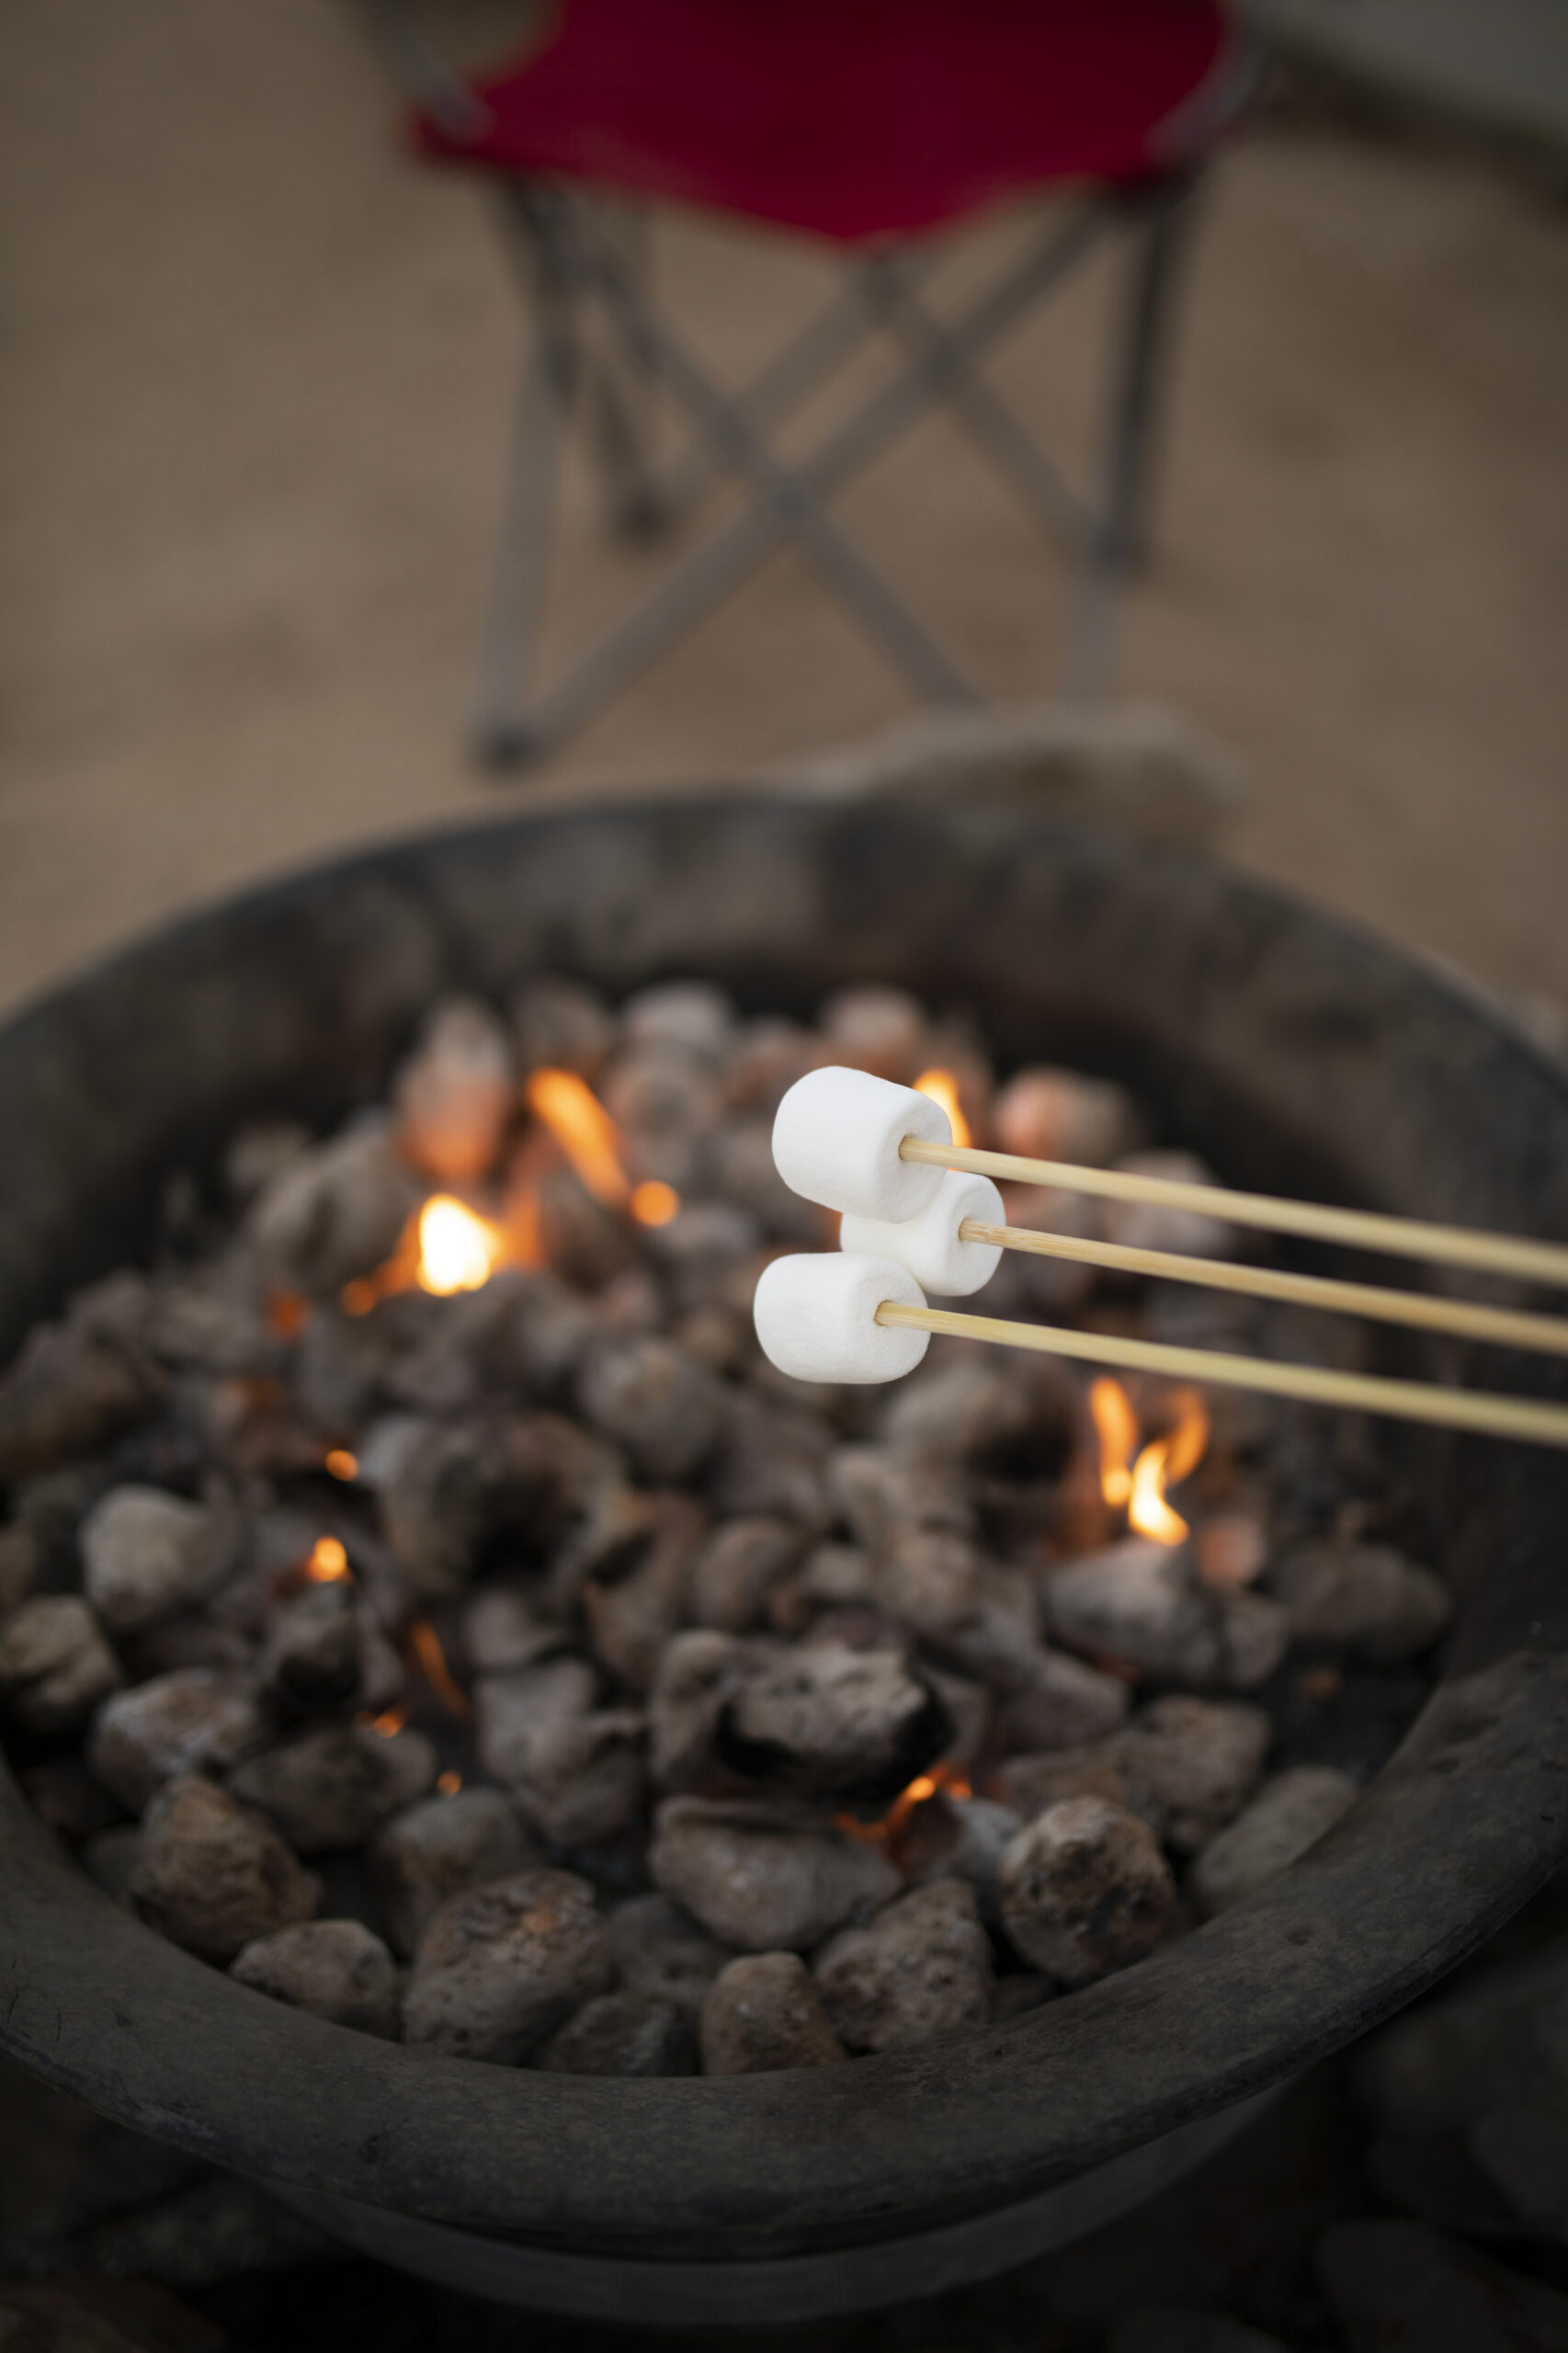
[580,273]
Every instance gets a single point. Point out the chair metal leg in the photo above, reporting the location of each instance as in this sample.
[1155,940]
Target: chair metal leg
[1119,535]
[622,387]
[712,571]
[501,735]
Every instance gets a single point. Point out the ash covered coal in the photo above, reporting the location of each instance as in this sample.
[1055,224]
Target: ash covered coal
[419,1597]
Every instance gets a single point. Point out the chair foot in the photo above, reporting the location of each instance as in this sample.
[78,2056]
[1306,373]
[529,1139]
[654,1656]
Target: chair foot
[510,745]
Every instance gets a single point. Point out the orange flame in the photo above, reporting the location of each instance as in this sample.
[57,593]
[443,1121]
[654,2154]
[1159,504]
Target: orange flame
[1116,1425]
[341,1463]
[390,1721]
[943,1089]
[886,1829]
[328,1563]
[584,1130]
[1164,1463]
[450,1782]
[288,1315]
[431,1660]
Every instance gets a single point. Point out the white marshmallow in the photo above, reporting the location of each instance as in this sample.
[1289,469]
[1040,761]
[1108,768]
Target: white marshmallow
[930,1244]
[836,1142]
[816,1317]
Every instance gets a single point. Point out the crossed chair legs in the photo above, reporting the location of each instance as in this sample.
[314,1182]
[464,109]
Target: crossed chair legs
[600,341]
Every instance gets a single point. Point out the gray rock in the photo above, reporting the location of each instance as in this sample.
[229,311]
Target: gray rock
[146,1554]
[759,1879]
[55,1665]
[441,1847]
[451,1488]
[919,1973]
[502,1966]
[67,1392]
[334,1212]
[216,2230]
[1365,1599]
[883,1491]
[20,1561]
[737,1568]
[1499,2038]
[212,1876]
[1144,1602]
[198,1720]
[1396,2285]
[257,1153]
[562,1025]
[659,1949]
[1290,1812]
[953,1837]
[831,1577]
[626,2033]
[109,1858]
[1185,1767]
[698,1673]
[324,1650]
[694,1014]
[765,2012]
[336,1969]
[631,1612]
[455,1092]
[503,1632]
[576,1771]
[1161,2331]
[1062,1704]
[329,1790]
[772,1463]
[1086,1891]
[872,1026]
[824,1720]
[647,1394]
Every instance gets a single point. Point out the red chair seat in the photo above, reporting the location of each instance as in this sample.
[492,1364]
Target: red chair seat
[852,118]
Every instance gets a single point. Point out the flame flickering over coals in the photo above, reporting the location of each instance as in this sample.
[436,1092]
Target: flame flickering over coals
[449,1246]
[327,1562]
[1137,1481]
[943,1089]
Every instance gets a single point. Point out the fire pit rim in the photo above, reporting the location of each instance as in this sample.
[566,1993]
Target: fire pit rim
[100,2006]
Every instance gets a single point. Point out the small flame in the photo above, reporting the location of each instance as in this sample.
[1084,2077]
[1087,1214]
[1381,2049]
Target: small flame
[1166,1463]
[1139,1485]
[653,1203]
[1116,1425]
[942,1087]
[341,1463]
[886,1829]
[328,1563]
[584,1130]
[390,1721]
[431,1660]
[458,1250]
[450,1782]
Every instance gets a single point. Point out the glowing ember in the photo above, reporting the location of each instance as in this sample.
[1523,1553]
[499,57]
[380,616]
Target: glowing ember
[457,1251]
[923,1787]
[341,1463]
[584,1130]
[653,1203]
[328,1562]
[431,1660]
[942,1087]
[449,1783]
[390,1720]
[1141,1485]
[288,1315]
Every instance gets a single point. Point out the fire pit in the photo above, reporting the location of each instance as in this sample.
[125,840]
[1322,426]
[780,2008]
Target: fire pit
[1299,1058]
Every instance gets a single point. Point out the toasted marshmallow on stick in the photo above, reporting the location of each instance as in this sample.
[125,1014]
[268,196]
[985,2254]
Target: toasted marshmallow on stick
[931,1244]
[816,1317]
[836,1142]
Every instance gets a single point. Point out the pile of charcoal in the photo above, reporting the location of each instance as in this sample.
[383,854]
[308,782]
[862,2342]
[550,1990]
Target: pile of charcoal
[420,1599]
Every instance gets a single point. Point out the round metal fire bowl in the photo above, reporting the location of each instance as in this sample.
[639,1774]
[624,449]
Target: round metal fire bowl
[1302,1057]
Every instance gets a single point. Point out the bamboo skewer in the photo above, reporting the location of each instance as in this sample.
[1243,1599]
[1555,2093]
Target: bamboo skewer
[1463,1319]
[1453,1246]
[1410,1401]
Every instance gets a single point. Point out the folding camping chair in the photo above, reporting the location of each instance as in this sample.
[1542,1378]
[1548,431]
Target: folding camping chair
[869,123]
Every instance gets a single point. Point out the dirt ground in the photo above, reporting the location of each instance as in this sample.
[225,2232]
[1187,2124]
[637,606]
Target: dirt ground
[258,372]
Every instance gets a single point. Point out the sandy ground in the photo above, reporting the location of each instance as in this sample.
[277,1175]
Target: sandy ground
[255,402]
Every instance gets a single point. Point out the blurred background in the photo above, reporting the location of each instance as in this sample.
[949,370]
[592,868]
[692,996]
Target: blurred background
[260,376]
